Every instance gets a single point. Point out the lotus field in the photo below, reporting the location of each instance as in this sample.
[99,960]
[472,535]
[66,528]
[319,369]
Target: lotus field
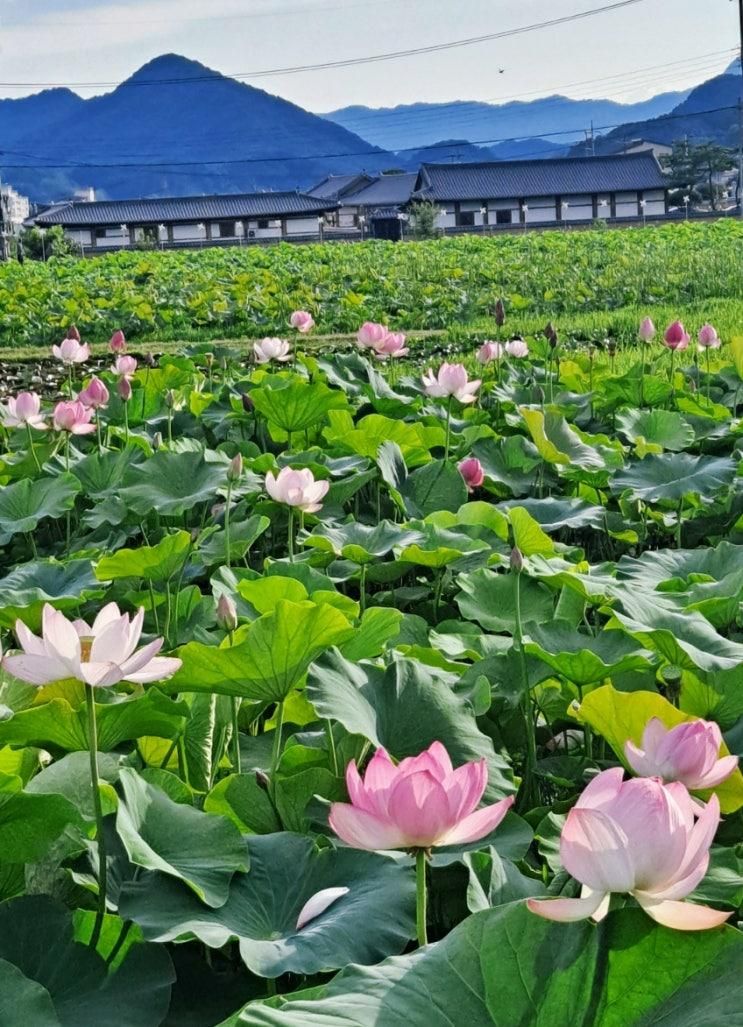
[365,688]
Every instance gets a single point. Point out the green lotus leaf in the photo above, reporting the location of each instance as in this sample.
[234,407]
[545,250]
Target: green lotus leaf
[673,476]
[25,503]
[172,483]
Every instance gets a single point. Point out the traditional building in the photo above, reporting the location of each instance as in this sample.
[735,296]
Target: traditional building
[560,191]
[374,205]
[190,221]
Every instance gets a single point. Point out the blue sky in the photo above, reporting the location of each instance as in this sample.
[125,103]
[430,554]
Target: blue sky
[73,41]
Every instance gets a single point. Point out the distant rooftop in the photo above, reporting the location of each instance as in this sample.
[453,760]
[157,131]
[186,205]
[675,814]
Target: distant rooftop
[183,209]
[336,187]
[562,176]
[385,191]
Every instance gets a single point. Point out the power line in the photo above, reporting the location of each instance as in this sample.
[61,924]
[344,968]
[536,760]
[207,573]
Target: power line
[331,156]
[346,62]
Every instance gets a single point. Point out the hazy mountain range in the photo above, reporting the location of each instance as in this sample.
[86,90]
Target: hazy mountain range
[177,128]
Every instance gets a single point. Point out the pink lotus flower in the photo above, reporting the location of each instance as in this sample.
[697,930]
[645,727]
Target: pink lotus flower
[472,472]
[24,410]
[451,380]
[95,395]
[73,333]
[125,367]
[73,418]
[675,336]
[297,489]
[708,337]
[688,753]
[418,804]
[647,330]
[100,654]
[517,348]
[639,837]
[392,345]
[490,351]
[124,388]
[266,350]
[70,352]
[117,343]
[303,321]
[317,905]
[370,334]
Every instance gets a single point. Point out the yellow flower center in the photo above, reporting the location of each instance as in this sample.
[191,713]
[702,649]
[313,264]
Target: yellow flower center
[86,646]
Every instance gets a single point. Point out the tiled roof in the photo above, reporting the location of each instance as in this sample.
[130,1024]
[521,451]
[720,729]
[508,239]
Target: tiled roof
[559,177]
[185,209]
[335,186]
[385,191]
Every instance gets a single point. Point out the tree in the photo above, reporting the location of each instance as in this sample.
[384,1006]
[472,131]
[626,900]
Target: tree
[692,165]
[51,242]
[424,215]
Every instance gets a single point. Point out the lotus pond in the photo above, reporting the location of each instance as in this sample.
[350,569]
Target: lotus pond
[342,688]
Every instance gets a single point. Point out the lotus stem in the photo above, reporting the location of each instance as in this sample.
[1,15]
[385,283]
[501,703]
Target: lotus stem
[276,753]
[420,891]
[531,745]
[290,537]
[679,523]
[228,504]
[98,432]
[236,763]
[362,589]
[126,423]
[331,747]
[706,352]
[448,429]
[97,806]
[32,447]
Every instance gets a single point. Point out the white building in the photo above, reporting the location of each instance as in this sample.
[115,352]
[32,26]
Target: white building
[16,208]
[500,194]
[238,219]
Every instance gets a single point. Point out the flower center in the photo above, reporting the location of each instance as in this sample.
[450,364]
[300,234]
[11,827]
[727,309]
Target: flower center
[86,646]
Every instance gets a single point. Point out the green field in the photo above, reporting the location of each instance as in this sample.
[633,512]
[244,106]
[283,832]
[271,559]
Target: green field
[592,284]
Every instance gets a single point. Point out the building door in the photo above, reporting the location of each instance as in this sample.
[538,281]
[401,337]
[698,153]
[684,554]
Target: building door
[387,228]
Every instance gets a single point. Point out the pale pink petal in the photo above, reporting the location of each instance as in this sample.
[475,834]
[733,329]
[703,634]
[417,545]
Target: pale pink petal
[593,849]
[356,790]
[36,669]
[159,669]
[380,772]
[106,615]
[418,805]
[684,802]
[722,770]
[654,733]
[699,838]
[465,786]
[29,642]
[60,635]
[638,760]
[317,905]
[682,916]
[142,657]
[101,675]
[362,830]
[566,910]
[654,825]
[110,643]
[477,825]
[601,789]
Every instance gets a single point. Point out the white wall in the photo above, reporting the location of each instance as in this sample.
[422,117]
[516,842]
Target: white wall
[579,208]
[627,205]
[655,202]
[541,208]
[82,237]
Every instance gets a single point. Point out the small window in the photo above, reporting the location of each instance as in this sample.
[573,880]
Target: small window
[263,223]
[503,217]
[466,219]
[227,230]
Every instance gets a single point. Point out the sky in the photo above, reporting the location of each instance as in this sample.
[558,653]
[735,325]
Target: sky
[627,55]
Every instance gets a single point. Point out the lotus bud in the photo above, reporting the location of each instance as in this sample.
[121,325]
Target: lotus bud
[226,613]
[708,337]
[647,329]
[247,403]
[611,347]
[500,313]
[235,470]
[195,532]
[517,560]
[149,359]
[549,332]
[209,359]
[125,389]
[117,343]
[73,333]
[169,399]
[157,440]
[675,336]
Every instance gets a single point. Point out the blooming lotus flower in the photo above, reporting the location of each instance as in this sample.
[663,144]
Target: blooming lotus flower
[297,489]
[708,337]
[95,395]
[117,343]
[451,380]
[689,753]
[675,336]
[517,348]
[100,654]
[418,804]
[647,330]
[71,351]
[302,320]
[125,367]
[392,345]
[472,472]
[24,410]
[370,334]
[73,418]
[490,351]
[317,905]
[639,837]
[266,350]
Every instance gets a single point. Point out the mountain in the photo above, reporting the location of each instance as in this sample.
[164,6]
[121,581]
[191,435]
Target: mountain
[420,124]
[709,113]
[451,151]
[204,131]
